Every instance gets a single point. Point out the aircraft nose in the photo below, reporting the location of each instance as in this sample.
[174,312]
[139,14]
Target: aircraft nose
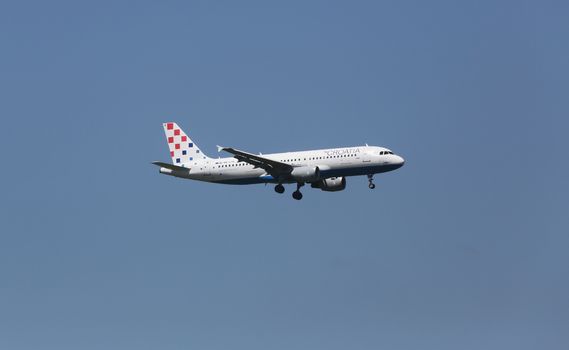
[400,161]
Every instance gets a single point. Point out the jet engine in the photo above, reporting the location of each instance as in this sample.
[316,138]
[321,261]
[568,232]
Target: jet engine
[306,173]
[331,184]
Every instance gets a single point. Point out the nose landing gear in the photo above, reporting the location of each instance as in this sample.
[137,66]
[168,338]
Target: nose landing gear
[370,180]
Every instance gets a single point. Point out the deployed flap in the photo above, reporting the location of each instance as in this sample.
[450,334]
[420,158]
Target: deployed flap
[273,167]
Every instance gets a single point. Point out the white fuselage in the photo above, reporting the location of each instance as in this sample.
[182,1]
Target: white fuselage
[336,162]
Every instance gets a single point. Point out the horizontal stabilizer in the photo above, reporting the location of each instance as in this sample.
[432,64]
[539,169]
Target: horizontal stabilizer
[170,166]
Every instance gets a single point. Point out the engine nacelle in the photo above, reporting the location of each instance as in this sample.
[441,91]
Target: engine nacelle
[306,173]
[331,184]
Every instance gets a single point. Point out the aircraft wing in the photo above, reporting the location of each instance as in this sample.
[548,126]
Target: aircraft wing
[273,167]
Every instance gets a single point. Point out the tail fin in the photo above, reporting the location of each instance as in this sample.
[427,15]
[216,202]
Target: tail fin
[182,149]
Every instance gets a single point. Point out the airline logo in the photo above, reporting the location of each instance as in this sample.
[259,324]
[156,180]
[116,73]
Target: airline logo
[182,149]
[341,151]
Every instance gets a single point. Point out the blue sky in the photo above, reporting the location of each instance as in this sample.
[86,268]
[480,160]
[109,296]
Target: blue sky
[465,247]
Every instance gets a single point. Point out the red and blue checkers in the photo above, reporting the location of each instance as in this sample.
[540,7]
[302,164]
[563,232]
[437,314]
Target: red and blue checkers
[182,149]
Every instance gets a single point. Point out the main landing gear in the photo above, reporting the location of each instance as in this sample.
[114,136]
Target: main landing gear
[370,179]
[297,194]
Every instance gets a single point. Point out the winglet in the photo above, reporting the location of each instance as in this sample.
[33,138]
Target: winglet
[220,148]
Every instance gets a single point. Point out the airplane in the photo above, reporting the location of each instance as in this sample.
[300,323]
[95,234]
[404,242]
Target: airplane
[325,169]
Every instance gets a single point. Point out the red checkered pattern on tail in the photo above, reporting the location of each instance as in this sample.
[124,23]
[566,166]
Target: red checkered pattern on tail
[182,149]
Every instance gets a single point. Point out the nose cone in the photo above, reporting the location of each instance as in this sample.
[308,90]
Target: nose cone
[399,161]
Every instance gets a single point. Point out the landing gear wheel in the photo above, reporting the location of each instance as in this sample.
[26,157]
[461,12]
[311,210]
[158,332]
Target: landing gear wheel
[279,188]
[296,194]
[370,179]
